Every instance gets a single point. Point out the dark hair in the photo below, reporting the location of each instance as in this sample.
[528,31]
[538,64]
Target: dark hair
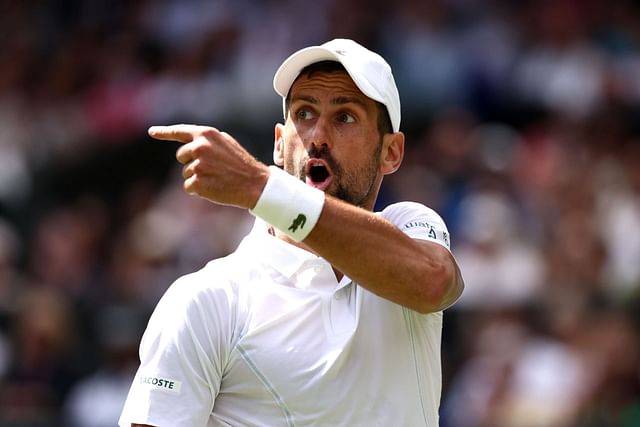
[384,122]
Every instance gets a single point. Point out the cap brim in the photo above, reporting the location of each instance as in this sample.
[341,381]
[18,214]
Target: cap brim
[291,67]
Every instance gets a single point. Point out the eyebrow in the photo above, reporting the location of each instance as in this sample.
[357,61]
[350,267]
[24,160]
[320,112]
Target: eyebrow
[349,100]
[335,101]
[309,99]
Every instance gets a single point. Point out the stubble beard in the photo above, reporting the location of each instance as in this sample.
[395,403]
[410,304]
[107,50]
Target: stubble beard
[355,187]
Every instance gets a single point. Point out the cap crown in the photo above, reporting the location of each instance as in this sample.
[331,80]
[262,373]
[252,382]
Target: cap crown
[368,70]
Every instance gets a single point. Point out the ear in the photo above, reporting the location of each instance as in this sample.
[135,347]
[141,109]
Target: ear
[392,152]
[278,145]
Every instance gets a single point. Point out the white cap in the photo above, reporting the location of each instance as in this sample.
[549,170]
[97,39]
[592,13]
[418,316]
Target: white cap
[368,70]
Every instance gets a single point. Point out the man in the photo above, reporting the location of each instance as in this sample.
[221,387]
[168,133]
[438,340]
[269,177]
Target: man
[327,314]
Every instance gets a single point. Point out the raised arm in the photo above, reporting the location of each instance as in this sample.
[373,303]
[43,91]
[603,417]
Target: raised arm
[418,274]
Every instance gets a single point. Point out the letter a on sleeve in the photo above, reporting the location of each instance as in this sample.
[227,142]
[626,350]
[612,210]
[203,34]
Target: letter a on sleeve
[418,222]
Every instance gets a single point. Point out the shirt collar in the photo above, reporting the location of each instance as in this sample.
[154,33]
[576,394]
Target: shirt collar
[286,258]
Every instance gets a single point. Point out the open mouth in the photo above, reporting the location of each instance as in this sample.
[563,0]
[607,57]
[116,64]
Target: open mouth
[318,174]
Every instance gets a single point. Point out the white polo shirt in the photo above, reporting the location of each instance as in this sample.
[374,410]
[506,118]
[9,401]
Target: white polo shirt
[268,337]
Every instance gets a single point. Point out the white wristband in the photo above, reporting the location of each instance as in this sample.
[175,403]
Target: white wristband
[289,204]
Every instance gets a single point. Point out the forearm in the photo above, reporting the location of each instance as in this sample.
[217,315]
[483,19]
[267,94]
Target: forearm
[417,274]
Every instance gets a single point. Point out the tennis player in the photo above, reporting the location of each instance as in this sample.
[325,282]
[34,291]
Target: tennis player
[327,314]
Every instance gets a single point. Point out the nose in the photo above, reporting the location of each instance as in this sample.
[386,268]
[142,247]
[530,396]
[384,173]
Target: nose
[319,134]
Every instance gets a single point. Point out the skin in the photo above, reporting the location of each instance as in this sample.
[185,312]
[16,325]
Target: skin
[328,114]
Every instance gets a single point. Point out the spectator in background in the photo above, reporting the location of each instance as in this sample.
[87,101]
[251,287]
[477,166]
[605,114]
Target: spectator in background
[44,362]
[97,400]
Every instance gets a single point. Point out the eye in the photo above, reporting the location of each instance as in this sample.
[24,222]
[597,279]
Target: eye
[346,118]
[304,114]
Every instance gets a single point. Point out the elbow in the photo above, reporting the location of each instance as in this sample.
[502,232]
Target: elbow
[440,285]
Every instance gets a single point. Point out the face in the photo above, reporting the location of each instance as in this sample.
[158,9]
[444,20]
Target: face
[330,139]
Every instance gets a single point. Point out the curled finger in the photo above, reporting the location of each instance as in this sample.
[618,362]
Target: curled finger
[189,185]
[188,170]
[184,154]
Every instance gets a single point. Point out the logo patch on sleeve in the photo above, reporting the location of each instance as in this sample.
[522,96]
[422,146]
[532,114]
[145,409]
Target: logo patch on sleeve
[431,231]
[159,383]
[420,224]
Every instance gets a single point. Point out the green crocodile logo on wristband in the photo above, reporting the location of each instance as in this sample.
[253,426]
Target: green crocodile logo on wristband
[298,223]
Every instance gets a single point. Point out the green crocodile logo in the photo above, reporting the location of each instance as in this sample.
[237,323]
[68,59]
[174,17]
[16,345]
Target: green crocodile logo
[298,223]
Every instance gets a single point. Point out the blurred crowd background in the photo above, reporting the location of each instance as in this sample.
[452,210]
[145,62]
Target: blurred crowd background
[523,128]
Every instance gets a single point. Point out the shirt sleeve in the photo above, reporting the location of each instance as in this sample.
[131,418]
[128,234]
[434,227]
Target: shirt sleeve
[418,222]
[182,356]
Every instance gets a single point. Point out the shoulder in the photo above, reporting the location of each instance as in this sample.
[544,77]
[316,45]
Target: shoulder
[418,221]
[402,210]
[213,280]
[210,294]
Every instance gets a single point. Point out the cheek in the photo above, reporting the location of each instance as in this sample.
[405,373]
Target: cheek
[360,148]
[293,150]
[293,144]
[293,154]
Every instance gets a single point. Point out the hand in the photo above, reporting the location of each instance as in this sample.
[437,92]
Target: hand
[216,166]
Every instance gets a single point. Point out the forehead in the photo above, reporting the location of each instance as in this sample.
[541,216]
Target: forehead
[330,84]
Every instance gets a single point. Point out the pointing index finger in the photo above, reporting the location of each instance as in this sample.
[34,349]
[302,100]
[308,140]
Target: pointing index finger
[180,133]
